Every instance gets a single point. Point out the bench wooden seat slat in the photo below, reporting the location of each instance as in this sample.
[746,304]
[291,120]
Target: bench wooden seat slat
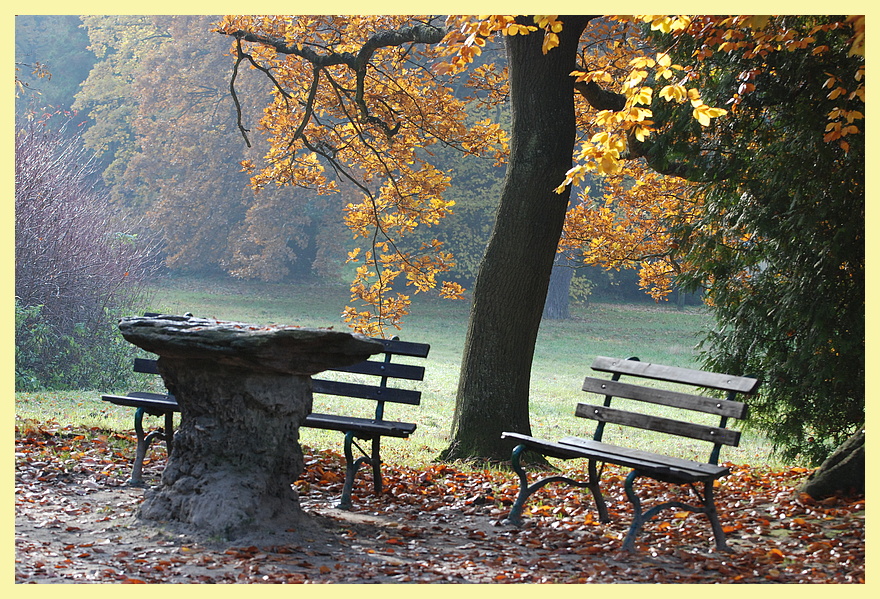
[368,426]
[154,404]
[575,447]
[712,434]
[665,397]
[664,468]
[346,389]
[697,378]
[550,448]
[638,458]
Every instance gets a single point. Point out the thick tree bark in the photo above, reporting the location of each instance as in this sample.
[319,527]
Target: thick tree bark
[511,285]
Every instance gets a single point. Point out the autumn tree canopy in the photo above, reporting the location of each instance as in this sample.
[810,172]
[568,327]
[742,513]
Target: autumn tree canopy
[366,98]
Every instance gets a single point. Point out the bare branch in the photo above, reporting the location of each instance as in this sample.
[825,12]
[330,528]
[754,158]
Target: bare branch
[234,94]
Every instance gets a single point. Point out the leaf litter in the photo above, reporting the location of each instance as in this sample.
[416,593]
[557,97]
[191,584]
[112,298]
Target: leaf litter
[75,522]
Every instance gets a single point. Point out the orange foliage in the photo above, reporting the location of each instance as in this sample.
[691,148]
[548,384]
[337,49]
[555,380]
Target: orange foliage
[375,126]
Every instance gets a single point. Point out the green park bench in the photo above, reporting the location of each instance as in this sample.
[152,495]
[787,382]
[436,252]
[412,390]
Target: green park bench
[644,463]
[354,428]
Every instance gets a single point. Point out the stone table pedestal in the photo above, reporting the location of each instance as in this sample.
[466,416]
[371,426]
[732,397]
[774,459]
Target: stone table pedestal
[243,391]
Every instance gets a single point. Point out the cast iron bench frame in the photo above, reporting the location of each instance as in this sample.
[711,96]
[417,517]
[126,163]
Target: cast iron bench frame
[354,428]
[644,463]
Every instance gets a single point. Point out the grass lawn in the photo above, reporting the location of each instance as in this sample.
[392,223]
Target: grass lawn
[653,332]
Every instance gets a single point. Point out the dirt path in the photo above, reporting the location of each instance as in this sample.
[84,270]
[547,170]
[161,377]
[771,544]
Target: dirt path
[76,523]
[79,531]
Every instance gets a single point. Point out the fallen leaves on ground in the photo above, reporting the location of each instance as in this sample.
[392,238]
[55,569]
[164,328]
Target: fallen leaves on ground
[439,523]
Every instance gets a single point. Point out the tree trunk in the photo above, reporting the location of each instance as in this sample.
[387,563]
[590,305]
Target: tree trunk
[558,295]
[511,285]
[842,472]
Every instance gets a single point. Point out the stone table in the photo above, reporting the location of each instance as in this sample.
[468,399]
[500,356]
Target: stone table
[243,391]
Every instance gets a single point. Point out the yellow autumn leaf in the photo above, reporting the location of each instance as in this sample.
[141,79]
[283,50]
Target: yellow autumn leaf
[641,62]
[673,92]
[638,115]
[853,115]
[663,24]
[606,118]
[609,164]
[704,114]
[702,117]
[757,22]
[551,40]
[643,96]
[600,138]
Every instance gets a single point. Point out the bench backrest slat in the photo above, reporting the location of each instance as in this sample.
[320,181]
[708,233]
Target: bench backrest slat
[700,403]
[698,378]
[656,423]
[344,389]
[405,348]
[389,369]
[146,366]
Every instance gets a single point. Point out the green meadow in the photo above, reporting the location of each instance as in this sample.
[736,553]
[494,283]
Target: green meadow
[565,349]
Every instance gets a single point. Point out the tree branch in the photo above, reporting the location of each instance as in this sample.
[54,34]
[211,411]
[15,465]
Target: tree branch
[599,98]
[419,34]
[234,94]
[652,151]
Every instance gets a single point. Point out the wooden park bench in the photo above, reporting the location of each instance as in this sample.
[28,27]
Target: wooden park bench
[642,462]
[371,429]
[354,428]
[154,404]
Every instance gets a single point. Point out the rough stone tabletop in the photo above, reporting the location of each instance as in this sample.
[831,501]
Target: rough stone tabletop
[257,348]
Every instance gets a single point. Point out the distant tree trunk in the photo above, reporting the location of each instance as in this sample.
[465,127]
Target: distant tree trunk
[842,472]
[556,304]
[511,285]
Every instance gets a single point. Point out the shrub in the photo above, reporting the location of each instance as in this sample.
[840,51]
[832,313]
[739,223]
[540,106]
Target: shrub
[78,266]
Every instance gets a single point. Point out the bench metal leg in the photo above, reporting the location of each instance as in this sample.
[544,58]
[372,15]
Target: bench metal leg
[640,517]
[377,466]
[351,468]
[712,513]
[143,444]
[525,490]
[593,486]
